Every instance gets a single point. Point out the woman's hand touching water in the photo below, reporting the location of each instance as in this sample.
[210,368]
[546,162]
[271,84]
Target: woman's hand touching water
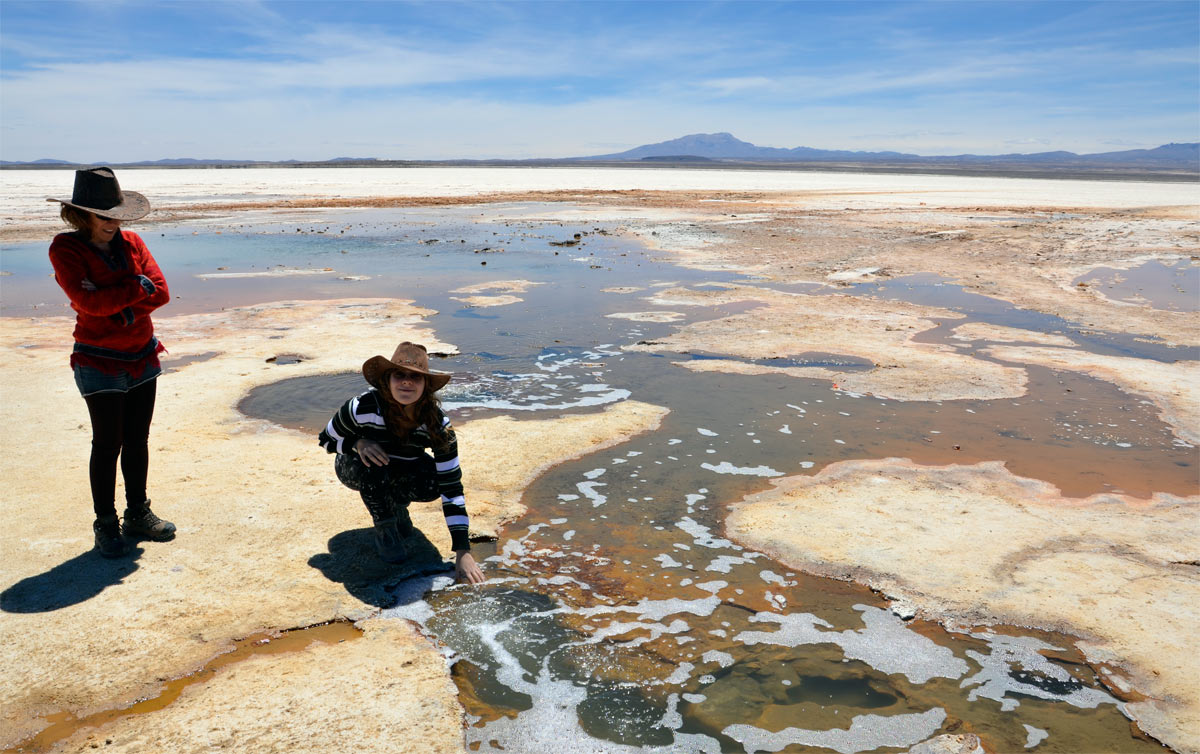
[466,568]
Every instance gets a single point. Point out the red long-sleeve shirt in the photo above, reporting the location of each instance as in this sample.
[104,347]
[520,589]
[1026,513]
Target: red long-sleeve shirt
[113,330]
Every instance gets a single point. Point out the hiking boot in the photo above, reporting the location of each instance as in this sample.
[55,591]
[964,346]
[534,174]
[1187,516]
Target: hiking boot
[388,542]
[109,541]
[141,522]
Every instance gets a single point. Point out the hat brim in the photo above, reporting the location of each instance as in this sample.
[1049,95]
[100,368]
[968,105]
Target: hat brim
[133,206]
[374,368]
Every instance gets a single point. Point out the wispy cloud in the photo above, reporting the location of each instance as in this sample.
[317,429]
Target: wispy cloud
[307,80]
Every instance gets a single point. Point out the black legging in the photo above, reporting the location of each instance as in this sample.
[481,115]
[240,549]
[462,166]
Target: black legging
[120,427]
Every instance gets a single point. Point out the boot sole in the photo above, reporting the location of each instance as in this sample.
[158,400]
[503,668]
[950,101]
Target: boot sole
[151,537]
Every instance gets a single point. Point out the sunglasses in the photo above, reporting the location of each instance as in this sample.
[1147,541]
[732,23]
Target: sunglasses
[410,376]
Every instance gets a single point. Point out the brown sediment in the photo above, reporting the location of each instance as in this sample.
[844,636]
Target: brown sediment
[976,544]
[64,724]
[1172,387]
[1058,431]
[654,316]
[1000,334]
[503,286]
[486,301]
[882,331]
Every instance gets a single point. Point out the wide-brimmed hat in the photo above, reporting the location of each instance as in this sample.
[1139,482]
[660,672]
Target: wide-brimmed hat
[411,357]
[97,191]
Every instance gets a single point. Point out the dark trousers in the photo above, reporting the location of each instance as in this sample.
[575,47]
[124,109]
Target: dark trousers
[387,490]
[120,428]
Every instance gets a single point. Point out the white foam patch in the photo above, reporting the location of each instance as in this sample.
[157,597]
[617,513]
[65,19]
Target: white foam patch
[607,396]
[773,578]
[1034,736]
[594,473]
[681,676]
[657,610]
[700,535]
[866,732]
[785,429]
[706,432]
[999,676]
[724,563]
[723,659]
[588,489]
[885,643]
[725,467]
[666,561]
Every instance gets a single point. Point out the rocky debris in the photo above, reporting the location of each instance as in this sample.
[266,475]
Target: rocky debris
[950,743]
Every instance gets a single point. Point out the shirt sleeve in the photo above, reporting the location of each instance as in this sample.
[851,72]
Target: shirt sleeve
[149,276]
[449,478]
[343,428]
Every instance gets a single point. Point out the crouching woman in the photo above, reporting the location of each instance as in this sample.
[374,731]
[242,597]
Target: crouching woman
[380,437]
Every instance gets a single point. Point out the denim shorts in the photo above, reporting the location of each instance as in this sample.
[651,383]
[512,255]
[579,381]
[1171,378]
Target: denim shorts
[90,380]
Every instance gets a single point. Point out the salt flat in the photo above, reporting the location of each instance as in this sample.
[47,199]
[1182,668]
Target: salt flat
[22,192]
[802,235]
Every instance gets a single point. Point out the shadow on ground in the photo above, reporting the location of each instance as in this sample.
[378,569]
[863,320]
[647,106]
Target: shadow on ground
[76,580]
[353,562]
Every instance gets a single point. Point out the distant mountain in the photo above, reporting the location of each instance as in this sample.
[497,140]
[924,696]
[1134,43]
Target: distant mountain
[1168,162]
[724,146]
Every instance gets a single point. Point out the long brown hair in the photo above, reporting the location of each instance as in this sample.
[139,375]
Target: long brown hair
[428,411]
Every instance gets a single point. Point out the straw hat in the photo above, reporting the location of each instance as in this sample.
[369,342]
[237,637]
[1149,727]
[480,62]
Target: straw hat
[97,191]
[411,357]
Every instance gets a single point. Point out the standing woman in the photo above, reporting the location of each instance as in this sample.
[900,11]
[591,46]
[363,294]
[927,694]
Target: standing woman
[380,439]
[113,284]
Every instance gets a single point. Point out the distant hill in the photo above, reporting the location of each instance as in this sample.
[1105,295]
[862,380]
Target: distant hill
[1169,162]
[725,146]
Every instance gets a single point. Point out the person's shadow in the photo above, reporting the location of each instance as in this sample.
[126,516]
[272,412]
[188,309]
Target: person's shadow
[78,579]
[352,561]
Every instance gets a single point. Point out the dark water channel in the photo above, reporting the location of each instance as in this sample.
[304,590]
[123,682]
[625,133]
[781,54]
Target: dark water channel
[617,617]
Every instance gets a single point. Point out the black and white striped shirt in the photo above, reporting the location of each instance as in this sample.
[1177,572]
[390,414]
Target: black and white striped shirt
[362,417]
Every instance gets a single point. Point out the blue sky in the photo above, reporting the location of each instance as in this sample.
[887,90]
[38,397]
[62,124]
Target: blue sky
[124,80]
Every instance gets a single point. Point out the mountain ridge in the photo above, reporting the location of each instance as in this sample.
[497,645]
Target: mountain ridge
[723,149]
[724,145]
